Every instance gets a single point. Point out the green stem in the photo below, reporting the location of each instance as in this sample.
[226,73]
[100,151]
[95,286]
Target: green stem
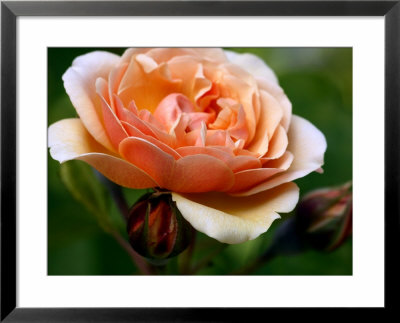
[123,207]
[187,256]
[137,259]
[118,197]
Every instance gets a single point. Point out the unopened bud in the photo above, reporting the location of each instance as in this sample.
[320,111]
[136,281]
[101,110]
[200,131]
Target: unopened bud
[156,228]
[325,216]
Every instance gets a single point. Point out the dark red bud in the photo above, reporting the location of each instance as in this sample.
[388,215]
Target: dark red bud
[156,228]
[325,216]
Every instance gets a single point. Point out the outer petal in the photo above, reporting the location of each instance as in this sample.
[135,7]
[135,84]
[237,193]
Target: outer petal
[252,64]
[236,219]
[79,82]
[308,145]
[248,178]
[68,139]
[196,173]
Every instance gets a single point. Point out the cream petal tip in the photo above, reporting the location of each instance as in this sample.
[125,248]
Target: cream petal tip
[234,220]
[69,139]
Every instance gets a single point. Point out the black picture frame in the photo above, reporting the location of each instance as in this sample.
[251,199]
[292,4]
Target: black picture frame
[11,10]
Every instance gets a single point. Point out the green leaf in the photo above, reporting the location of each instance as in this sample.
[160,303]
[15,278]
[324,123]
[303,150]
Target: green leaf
[86,188]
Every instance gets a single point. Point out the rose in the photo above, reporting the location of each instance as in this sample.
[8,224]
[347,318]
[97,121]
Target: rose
[212,126]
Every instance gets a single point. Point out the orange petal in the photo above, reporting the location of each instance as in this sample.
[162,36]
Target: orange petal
[134,132]
[278,144]
[270,116]
[276,91]
[119,171]
[171,108]
[114,78]
[246,179]
[114,128]
[197,118]
[282,162]
[127,55]
[189,70]
[240,91]
[200,173]
[178,130]
[239,130]
[148,157]
[211,151]
[79,82]
[184,175]
[146,89]
[129,117]
[165,54]
[240,163]
[68,139]
[308,145]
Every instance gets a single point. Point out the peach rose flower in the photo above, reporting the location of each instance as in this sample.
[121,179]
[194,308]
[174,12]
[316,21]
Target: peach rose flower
[211,126]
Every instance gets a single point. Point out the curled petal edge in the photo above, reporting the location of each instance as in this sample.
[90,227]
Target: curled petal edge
[308,146]
[68,139]
[234,220]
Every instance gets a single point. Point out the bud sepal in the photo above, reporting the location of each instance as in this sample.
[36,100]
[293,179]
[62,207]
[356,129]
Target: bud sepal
[156,227]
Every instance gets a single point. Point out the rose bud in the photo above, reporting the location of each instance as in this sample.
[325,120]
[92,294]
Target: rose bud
[324,216]
[156,227]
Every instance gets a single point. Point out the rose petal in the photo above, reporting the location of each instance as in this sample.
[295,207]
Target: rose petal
[278,144]
[276,91]
[171,108]
[189,70]
[200,173]
[135,132]
[79,82]
[282,162]
[127,55]
[252,64]
[235,163]
[68,139]
[114,128]
[148,157]
[308,145]
[211,151]
[236,219]
[240,163]
[248,178]
[114,78]
[270,116]
[146,89]
[165,54]
[239,90]
[188,174]
[130,117]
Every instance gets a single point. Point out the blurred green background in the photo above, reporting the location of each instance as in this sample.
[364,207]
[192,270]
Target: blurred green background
[318,81]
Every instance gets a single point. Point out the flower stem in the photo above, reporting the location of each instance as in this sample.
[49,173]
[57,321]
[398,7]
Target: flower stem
[187,256]
[117,195]
[137,259]
[123,207]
